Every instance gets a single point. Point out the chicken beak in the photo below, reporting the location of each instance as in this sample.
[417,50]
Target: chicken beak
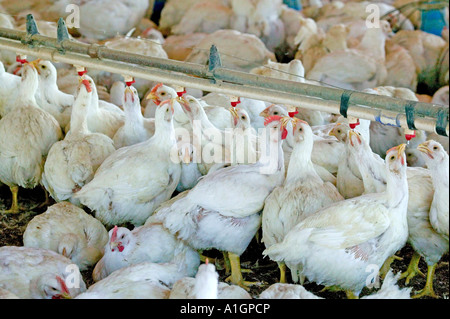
[423,147]
[34,63]
[186,157]
[401,152]
[64,252]
[234,115]
[185,104]
[151,96]
[113,244]
[265,112]
[401,149]
[128,92]
[351,134]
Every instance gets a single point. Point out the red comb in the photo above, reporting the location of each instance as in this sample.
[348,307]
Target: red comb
[157,86]
[114,234]
[272,118]
[128,83]
[64,288]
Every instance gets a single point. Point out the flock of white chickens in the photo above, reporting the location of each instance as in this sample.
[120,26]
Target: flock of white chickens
[144,178]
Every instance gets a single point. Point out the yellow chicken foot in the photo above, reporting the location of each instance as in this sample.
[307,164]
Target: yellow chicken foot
[387,265]
[236,274]
[428,289]
[331,289]
[47,201]
[15,204]
[413,269]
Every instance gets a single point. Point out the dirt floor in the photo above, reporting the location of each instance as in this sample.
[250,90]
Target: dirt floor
[262,269]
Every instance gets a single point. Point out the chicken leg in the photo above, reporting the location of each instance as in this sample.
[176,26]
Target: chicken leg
[387,265]
[236,274]
[282,267]
[428,289]
[413,268]
[15,204]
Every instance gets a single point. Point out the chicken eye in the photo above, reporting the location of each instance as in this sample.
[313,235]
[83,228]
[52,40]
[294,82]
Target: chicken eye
[300,129]
[392,157]
[163,93]
[339,131]
[43,66]
[243,117]
[435,148]
[275,113]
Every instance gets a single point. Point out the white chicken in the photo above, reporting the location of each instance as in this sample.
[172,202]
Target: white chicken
[96,23]
[425,49]
[223,210]
[26,136]
[329,162]
[103,117]
[425,240]
[134,180]
[178,47]
[49,97]
[69,231]
[8,90]
[204,16]
[239,51]
[437,162]
[301,195]
[173,11]
[286,291]
[293,71]
[36,273]
[251,106]
[72,162]
[150,242]
[145,280]
[160,93]
[335,245]
[206,285]
[260,18]
[245,138]
[136,128]
[205,135]
[357,68]
[348,178]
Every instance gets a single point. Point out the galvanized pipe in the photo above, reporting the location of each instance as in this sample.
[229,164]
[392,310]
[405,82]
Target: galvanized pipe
[223,74]
[387,110]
